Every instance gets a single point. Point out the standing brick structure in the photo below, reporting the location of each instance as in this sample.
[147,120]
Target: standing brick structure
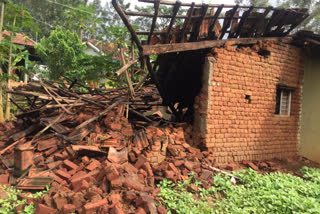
[235,111]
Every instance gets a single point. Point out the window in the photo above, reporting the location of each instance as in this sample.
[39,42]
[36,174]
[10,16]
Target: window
[283,101]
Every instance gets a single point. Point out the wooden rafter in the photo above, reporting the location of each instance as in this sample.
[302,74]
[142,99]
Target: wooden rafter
[215,18]
[241,23]
[154,20]
[228,20]
[187,23]
[197,25]
[174,14]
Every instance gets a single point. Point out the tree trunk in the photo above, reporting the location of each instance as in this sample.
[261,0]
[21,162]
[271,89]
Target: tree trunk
[1,72]
[7,115]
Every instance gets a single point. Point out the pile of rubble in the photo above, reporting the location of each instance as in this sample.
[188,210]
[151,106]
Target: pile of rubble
[94,162]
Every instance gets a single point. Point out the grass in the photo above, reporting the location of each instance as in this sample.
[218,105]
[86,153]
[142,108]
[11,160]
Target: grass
[254,193]
[9,204]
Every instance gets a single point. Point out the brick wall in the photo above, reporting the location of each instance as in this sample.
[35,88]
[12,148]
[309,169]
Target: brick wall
[233,128]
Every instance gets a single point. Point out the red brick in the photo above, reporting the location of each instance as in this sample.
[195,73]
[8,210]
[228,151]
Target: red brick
[68,209]
[189,165]
[94,206]
[112,172]
[253,166]
[93,165]
[231,166]
[141,160]
[193,188]
[43,209]
[4,179]
[60,201]
[162,210]
[140,210]
[133,184]
[70,164]
[129,196]
[50,151]
[80,185]
[148,168]
[263,165]
[63,174]
[116,209]
[115,198]
[117,183]
[115,127]
[173,168]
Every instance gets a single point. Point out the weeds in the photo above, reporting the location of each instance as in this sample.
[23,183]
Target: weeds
[9,204]
[254,193]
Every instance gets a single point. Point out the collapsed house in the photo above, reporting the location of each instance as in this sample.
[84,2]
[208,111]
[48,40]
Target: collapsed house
[241,80]
[235,90]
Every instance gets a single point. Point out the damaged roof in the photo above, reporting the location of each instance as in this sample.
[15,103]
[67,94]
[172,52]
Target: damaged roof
[206,25]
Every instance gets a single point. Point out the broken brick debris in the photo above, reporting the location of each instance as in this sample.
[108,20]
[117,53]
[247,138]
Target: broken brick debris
[110,165]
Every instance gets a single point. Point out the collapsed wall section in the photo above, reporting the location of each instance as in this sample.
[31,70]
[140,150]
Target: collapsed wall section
[236,107]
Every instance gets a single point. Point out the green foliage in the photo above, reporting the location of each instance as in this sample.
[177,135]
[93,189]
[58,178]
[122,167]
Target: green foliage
[255,193]
[64,55]
[9,204]
[179,200]
[61,52]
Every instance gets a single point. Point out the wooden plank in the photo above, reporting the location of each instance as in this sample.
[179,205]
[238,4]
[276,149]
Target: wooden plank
[186,23]
[154,20]
[123,62]
[174,14]
[195,32]
[169,48]
[242,21]
[215,18]
[227,21]
[126,66]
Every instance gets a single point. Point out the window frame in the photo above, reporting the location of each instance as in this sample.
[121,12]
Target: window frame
[282,90]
